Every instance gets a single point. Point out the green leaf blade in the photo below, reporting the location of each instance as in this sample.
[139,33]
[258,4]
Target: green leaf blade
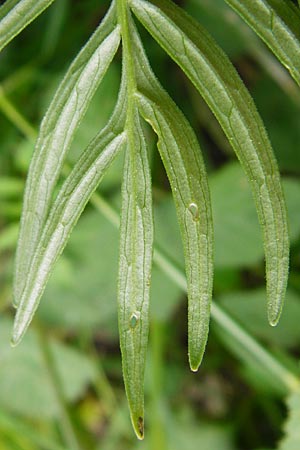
[15,15]
[135,261]
[191,196]
[182,159]
[57,130]
[217,81]
[278,24]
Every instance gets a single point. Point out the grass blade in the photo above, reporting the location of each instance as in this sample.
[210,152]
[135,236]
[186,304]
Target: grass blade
[182,159]
[136,239]
[57,130]
[15,15]
[216,79]
[277,23]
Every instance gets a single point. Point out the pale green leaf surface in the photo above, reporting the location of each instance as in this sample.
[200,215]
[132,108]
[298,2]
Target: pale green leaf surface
[277,22]
[57,130]
[291,440]
[67,208]
[218,82]
[184,165]
[15,15]
[64,214]
[24,385]
[135,261]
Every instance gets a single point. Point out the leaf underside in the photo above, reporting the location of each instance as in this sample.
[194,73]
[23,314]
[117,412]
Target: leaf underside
[184,165]
[135,260]
[277,22]
[55,137]
[218,82]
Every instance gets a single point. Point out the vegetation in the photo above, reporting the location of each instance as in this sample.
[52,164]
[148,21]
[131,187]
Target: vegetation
[62,386]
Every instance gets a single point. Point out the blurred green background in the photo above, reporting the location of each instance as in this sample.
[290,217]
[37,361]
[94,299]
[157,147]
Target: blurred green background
[69,365]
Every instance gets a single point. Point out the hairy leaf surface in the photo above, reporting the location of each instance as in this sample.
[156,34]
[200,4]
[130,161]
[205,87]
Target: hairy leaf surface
[136,240]
[66,210]
[57,130]
[182,159]
[218,82]
[15,15]
[277,22]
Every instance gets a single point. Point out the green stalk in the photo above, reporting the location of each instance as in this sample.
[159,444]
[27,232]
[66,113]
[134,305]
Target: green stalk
[65,422]
[11,112]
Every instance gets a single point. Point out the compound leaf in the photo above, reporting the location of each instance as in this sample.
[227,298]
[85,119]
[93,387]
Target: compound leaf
[67,208]
[57,130]
[218,82]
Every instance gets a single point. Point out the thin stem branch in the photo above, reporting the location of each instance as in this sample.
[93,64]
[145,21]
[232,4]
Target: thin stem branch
[65,422]
[245,340]
[11,112]
[276,368]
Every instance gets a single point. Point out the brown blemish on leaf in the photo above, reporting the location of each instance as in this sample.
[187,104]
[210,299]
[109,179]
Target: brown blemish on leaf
[140,424]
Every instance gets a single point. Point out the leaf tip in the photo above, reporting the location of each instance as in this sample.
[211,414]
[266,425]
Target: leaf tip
[274,312]
[138,426]
[15,340]
[274,318]
[18,331]
[195,361]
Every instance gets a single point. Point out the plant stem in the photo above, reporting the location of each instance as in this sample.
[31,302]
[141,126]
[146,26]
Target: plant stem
[123,12]
[262,356]
[65,422]
[15,117]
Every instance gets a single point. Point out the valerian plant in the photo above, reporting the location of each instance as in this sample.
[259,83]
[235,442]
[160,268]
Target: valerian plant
[47,222]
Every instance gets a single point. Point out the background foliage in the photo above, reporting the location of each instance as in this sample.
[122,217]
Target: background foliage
[232,402]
